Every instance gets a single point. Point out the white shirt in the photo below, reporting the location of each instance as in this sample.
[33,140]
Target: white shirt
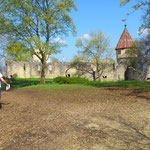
[0,80]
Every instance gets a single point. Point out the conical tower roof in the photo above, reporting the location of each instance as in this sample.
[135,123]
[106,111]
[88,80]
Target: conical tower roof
[125,41]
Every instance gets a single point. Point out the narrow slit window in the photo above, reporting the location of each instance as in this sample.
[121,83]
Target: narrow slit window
[24,67]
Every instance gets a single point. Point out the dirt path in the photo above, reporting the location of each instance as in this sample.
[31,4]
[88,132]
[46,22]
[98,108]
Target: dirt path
[75,118]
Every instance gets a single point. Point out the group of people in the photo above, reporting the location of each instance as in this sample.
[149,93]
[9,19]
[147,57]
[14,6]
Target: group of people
[2,80]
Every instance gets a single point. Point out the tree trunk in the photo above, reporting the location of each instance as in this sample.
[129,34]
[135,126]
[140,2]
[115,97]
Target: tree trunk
[43,71]
[94,78]
[98,74]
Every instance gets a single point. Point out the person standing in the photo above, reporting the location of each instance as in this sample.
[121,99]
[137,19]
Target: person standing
[1,79]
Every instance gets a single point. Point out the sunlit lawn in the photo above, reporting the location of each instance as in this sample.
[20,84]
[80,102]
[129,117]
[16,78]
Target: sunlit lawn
[35,82]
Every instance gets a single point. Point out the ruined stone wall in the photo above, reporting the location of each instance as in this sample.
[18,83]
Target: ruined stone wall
[133,74]
[22,69]
[148,74]
[33,70]
[112,72]
[119,72]
[54,69]
[108,73]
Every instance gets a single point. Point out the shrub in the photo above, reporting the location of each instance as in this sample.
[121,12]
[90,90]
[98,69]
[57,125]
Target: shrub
[78,74]
[71,80]
[15,76]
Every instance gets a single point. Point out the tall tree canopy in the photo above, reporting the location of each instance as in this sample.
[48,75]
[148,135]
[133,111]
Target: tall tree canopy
[143,52]
[138,3]
[141,4]
[94,54]
[34,24]
[18,52]
[143,44]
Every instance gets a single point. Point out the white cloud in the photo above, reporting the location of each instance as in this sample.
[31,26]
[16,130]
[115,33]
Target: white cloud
[86,36]
[145,31]
[59,40]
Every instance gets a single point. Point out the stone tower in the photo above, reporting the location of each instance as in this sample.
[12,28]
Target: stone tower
[122,51]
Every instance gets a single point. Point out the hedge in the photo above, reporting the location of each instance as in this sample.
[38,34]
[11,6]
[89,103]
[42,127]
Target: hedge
[70,80]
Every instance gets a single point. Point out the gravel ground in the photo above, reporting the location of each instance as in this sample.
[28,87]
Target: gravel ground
[75,118]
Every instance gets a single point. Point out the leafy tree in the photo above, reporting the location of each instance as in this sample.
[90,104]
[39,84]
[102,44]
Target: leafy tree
[94,54]
[1,65]
[2,53]
[82,67]
[140,4]
[146,17]
[18,52]
[143,52]
[139,53]
[132,54]
[137,5]
[34,24]
[143,44]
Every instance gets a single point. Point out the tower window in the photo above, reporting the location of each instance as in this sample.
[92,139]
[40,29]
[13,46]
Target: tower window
[119,51]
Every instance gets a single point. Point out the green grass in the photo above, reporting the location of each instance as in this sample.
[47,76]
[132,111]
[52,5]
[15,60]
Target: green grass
[125,84]
[20,82]
[35,82]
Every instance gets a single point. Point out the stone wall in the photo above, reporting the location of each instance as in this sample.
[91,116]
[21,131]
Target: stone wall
[148,73]
[119,73]
[113,72]
[54,69]
[133,74]
[33,70]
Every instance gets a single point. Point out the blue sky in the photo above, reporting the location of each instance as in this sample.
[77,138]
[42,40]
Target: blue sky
[104,15]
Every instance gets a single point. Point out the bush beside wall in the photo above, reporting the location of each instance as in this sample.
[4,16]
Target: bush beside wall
[70,80]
